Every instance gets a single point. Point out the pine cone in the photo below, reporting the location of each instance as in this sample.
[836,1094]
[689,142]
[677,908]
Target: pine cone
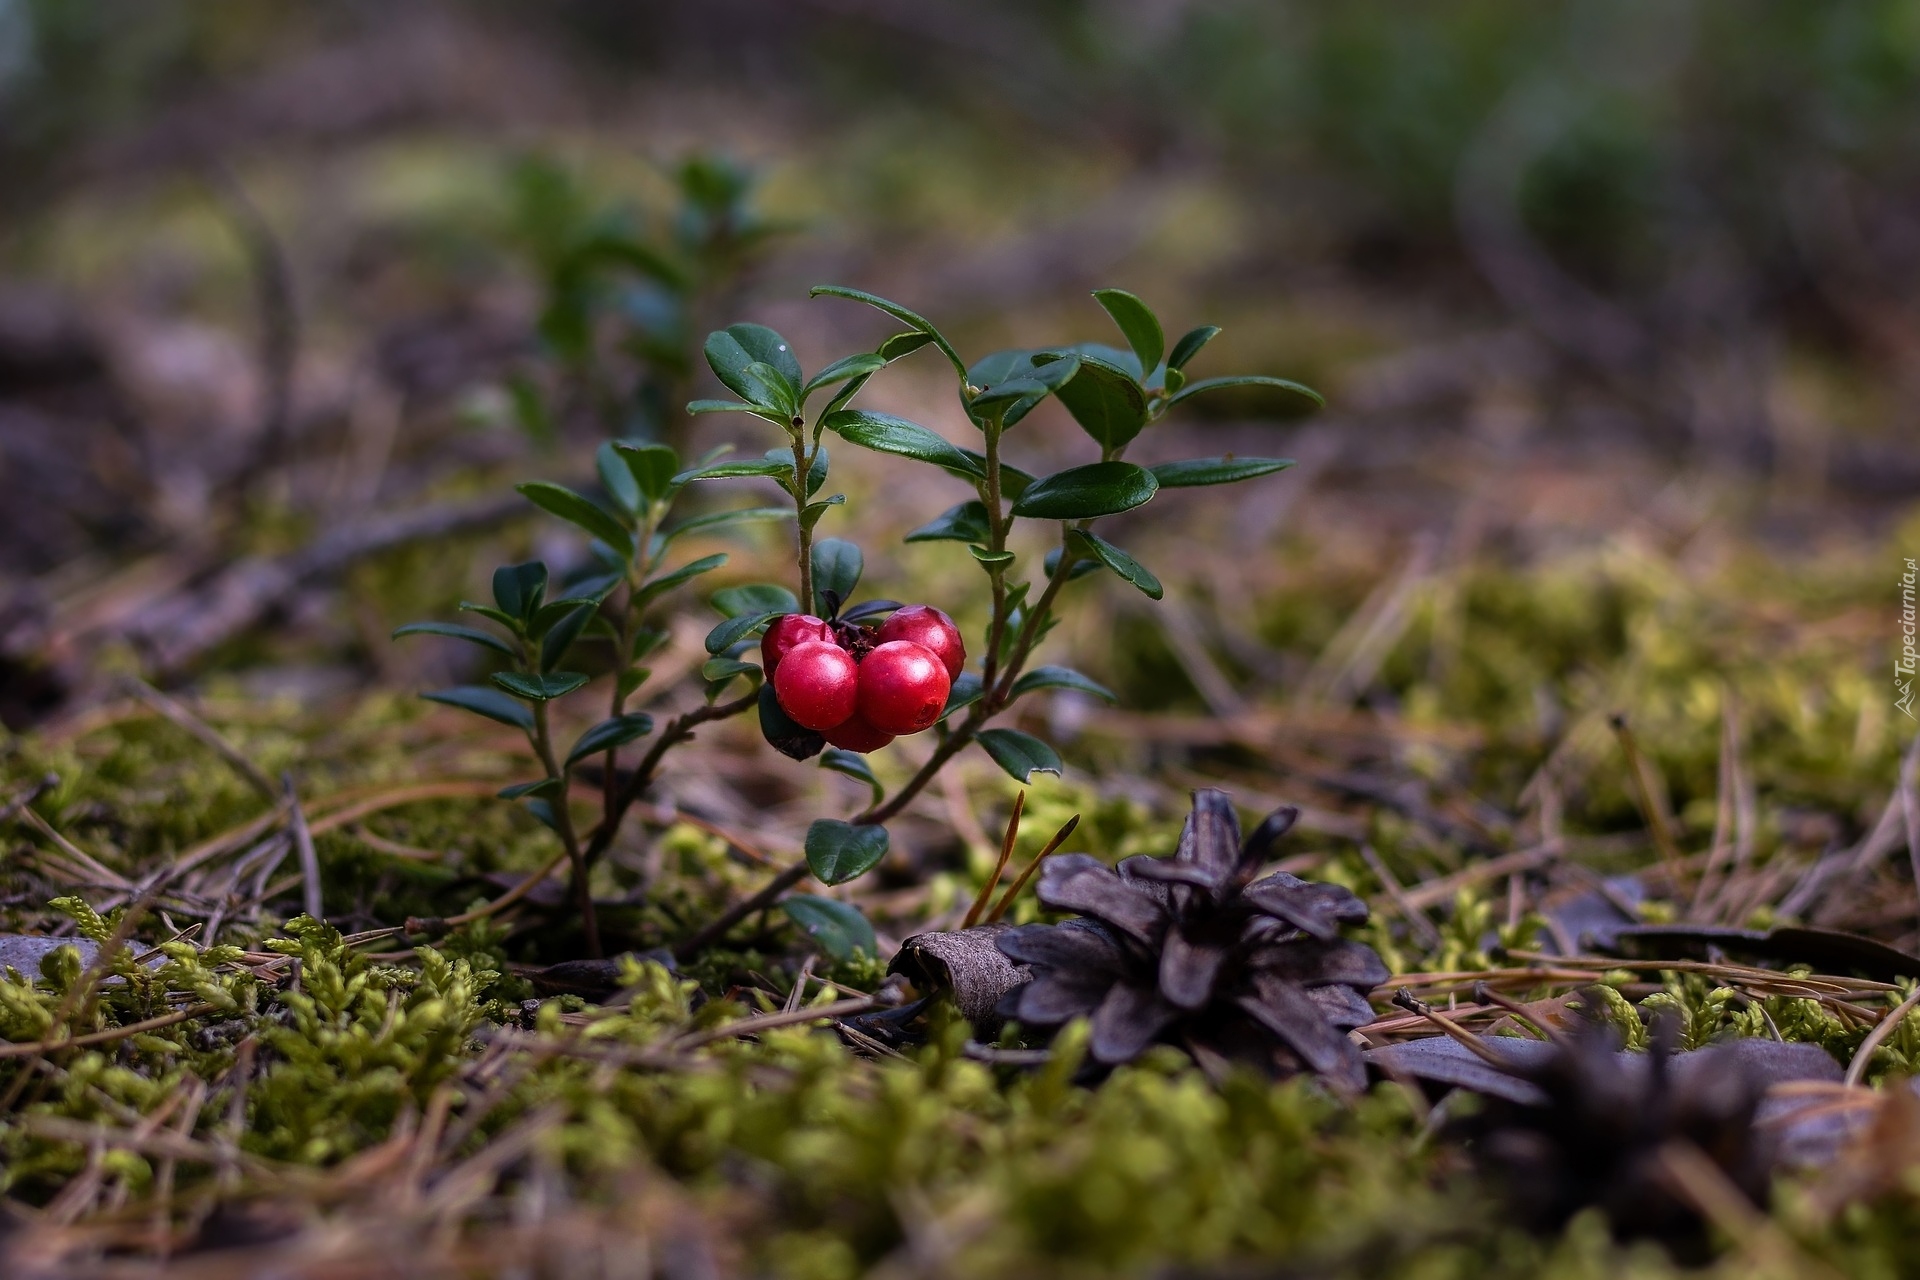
[1184,950]
[1603,1134]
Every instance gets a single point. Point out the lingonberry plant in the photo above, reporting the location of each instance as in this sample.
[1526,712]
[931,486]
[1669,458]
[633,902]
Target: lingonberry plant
[837,679]
[610,603]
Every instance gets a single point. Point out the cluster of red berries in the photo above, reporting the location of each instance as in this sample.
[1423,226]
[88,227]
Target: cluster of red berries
[860,687]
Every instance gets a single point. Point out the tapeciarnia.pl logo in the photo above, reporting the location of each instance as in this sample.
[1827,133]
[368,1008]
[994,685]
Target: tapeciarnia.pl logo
[1903,666]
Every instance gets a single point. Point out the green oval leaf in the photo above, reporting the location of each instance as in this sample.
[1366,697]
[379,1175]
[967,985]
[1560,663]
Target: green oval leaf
[838,851]
[736,629]
[853,765]
[739,467]
[1137,322]
[963,522]
[912,319]
[517,588]
[1120,562]
[491,703]
[884,433]
[540,688]
[617,479]
[967,689]
[733,351]
[1193,389]
[653,467]
[453,630]
[853,366]
[1081,493]
[1192,472]
[1190,343]
[656,587]
[782,734]
[1060,678]
[581,512]
[1021,754]
[838,927]
[612,732]
[1104,397]
[559,637]
[837,565]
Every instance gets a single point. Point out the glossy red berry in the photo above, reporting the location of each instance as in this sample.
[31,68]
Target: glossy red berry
[816,684]
[855,734]
[903,687]
[932,630]
[787,631]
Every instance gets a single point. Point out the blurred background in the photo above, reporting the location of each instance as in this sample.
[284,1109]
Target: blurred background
[1616,307]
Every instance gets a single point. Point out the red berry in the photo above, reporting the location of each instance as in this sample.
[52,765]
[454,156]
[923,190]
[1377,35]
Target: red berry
[903,687]
[787,631]
[855,734]
[817,684]
[932,630]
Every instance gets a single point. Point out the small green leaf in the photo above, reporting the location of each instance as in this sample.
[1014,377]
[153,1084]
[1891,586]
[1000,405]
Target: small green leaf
[838,851]
[453,630]
[507,620]
[772,390]
[482,701]
[912,319]
[1012,385]
[655,587]
[853,765]
[734,630]
[782,734]
[541,688]
[1021,754]
[653,466]
[755,597]
[580,511]
[1193,389]
[559,637]
[838,927]
[517,588]
[902,344]
[1137,322]
[1081,493]
[542,810]
[720,670]
[543,787]
[885,433]
[1190,343]
[1082,566]
[617,479]
[963,522]
[612,732]
[967,689]
[987,557]
[1104,397]
[1060,678]
[1120,562]
[837,564]
[840,370]
[773,467]
[733,351]
[811,513]
[1192,472]
[697,407]
[718,519]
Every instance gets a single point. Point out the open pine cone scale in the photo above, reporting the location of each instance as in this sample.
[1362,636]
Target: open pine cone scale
[1192,950]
